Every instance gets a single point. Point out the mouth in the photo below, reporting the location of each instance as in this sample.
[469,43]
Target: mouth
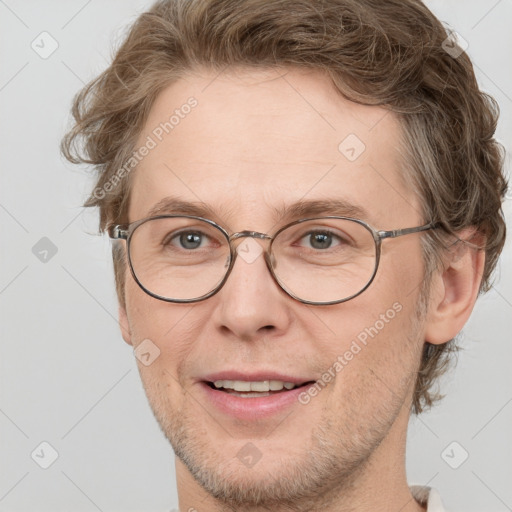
[253,395]
[255,389]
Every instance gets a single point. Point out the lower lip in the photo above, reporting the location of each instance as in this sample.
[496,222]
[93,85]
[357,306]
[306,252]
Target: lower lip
[254,408]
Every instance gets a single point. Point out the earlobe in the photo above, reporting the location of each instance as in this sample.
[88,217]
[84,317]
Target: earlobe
[454,291]
[124,325]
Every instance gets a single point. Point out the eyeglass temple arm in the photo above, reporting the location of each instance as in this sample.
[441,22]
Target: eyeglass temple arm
[117,232]
[406,231]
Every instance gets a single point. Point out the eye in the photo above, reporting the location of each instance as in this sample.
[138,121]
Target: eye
[188,240]
[320,240]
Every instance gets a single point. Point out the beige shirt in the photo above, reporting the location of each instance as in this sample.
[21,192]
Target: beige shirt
[429,497]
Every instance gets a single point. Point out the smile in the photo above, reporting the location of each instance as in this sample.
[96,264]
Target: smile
[252,389]
[254,399]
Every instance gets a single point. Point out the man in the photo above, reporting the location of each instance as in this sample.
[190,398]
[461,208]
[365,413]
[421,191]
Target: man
[305,201]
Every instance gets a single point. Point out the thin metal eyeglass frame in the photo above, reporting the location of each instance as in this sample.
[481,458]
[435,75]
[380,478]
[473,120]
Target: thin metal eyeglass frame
[125,232]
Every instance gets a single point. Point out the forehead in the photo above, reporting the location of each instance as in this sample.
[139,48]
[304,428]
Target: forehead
[245,139]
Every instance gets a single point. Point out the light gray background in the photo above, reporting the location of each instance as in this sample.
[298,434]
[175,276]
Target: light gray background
[67,377]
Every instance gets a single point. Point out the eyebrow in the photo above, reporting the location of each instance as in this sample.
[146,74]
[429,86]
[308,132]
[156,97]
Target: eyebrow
[298,210]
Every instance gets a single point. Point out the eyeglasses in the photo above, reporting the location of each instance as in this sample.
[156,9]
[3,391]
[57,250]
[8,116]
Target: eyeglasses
[317,261]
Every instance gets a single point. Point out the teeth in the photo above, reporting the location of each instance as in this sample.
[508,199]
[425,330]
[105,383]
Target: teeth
[258,386]
[276,385]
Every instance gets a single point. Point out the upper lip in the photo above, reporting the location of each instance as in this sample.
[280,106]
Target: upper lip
[254,376]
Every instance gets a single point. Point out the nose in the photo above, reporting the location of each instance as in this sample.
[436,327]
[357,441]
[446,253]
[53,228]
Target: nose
[251,305]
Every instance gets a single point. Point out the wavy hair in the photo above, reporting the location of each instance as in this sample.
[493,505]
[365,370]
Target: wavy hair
[389,53]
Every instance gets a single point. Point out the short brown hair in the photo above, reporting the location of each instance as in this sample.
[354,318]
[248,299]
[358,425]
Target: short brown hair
[389,53]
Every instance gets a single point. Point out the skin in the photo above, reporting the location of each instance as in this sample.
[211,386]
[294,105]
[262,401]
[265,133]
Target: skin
[254,143]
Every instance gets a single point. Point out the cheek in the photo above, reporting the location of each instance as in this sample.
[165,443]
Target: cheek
[166,326]
[148,317]
[375,341]
[375,369]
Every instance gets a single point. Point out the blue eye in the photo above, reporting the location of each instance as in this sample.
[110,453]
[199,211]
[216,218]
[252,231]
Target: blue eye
[189,240]
[320,240]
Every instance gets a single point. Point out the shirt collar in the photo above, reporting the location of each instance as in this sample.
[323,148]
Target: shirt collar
[429,497]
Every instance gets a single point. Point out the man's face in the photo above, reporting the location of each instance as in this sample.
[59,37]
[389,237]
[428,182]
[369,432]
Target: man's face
[257,142]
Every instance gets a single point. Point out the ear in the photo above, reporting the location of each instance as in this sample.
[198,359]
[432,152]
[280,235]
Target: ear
[125,325]
[455,289]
